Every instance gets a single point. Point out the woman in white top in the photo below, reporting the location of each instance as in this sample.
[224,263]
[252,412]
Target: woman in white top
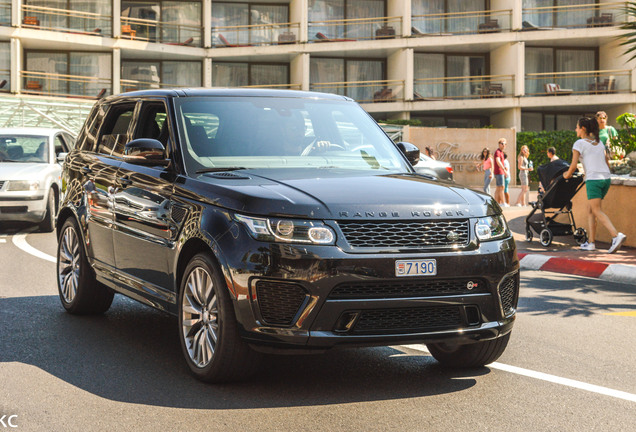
[595,162]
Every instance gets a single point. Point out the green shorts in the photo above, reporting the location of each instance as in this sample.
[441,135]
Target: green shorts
[597,188]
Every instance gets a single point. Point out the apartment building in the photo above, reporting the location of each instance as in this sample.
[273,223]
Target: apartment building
[527,64]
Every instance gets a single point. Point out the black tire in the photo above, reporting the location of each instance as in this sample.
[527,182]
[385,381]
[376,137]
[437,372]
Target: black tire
[48,223]
[580,236]
[208,330]
[471,355]
[545,237]
[528,234]
[79,291]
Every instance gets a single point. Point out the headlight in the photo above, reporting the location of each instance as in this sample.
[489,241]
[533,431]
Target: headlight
[288,230]
[491,228]
[23,185]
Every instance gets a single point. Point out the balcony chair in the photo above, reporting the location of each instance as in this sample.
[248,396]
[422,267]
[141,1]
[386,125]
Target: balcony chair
[31,21]
[490,26]
[384,95]
[33,85]
[101,93]
[186,42]
[322,38]
[555,89]
[603,20]
[227,43]
[127,30]
[492,90]
[3,83]
[385,32]
[286,38]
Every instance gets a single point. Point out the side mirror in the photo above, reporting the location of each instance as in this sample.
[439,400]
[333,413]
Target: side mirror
[145,151]
[60,157]
[411,152]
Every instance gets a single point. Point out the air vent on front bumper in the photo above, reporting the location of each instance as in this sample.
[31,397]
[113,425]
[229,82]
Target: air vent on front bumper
[508,293]
[405,234]
[411,288]
[409,320]
[279,302]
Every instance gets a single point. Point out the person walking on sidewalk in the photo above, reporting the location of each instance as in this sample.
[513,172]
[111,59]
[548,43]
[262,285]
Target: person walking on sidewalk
[486,166]
[499,171]
[524,181]
[506,181]
[606,134]
[591,152]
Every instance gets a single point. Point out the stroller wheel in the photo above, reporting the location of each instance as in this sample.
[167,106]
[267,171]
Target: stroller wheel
[580,236]
[528,235]
[545,237]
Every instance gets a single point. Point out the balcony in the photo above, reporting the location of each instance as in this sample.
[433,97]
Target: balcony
[468,87]
[51,84]
[575,16]
[454,23]
[578,83]
[365,91]
[5,13]
[355,29]
[170,33]
[69,21]
[255,35]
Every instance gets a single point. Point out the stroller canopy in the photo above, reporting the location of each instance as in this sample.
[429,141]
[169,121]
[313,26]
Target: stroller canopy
[549,172]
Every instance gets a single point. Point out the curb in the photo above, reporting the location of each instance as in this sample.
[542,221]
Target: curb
[622,273]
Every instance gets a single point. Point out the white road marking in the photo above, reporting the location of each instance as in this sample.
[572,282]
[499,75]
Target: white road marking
[3,240]
[20,241]
[549,378]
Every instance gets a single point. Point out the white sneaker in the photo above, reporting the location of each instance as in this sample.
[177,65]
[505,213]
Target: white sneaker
[617,242]
[588,246]
[506,205]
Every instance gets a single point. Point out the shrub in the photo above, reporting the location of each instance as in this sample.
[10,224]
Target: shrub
[538,143]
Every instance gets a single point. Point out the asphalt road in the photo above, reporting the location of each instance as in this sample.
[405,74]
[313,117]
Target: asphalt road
[569,367]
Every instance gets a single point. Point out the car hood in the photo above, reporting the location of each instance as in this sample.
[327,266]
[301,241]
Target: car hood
[22,171]
[340,194]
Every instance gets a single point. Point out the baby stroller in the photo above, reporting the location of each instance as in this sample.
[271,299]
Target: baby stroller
[555,201]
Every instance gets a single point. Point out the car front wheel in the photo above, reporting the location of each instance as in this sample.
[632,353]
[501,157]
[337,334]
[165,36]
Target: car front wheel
[208,329]
[471,355]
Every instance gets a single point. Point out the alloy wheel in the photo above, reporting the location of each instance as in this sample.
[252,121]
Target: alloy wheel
[68,268]
[200,317]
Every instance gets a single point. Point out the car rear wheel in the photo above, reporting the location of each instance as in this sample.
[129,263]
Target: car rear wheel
[472,355]
[48,223]
[208,330]
[79,291]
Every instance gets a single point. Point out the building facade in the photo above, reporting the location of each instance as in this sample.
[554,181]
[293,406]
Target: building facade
[523,64]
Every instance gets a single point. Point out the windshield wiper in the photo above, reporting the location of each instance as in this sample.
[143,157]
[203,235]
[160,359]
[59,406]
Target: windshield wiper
[218,169]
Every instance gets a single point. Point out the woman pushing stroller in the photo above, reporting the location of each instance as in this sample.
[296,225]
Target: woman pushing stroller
[595,162]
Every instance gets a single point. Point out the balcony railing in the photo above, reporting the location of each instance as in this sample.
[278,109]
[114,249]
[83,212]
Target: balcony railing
[365,91]
[468,87]
[255,35]
[355,29]
[5,13]
[5,80]
[491,21]
[163,32]
[66,20]
[561,17]
[51,84]
[583,83]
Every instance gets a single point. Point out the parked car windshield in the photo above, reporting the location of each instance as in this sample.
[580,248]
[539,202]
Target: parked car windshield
[266,132]
[24,148]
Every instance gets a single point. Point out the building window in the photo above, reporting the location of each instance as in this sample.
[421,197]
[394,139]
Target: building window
[141,75]
[540,62]
[173,22]
[5,63]
[340,10]
[423,22]
[250,74]
[538,121]
[82,16]
[451,121]
[230,23]
[454,75]
[357,74]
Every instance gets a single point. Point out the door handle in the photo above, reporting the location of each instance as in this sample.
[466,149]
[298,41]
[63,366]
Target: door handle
[86,170]
[125,181]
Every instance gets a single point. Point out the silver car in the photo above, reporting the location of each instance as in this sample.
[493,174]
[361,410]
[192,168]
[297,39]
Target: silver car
[30,174]
[428,166]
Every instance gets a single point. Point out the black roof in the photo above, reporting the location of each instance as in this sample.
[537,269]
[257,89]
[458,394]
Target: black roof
[238,92]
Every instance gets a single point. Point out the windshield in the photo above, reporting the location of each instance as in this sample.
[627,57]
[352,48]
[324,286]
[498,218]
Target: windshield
[266,132]
[24,148]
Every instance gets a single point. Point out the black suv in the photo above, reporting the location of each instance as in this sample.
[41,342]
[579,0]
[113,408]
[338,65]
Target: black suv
[279,221]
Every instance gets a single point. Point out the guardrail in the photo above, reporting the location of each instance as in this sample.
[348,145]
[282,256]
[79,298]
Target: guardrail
[491,21]
[466,87]
[161,32]
[50,84]
[572,16]
[583,82]
[365,91]
[256,35]
[355,29]
[68,21]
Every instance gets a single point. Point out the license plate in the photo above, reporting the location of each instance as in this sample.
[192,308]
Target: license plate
[423,267]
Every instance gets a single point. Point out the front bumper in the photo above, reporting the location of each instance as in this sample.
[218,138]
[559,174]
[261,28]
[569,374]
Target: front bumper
[291,296]
[23,206]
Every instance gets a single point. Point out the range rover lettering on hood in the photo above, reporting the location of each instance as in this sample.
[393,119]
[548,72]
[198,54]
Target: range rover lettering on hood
[412,214]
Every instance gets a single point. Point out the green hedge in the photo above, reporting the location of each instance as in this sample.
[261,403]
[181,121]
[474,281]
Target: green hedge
[538,143]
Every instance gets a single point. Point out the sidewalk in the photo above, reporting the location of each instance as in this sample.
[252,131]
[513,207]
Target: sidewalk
[564,256]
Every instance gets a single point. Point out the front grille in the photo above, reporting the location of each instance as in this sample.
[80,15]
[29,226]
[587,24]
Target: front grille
[411,288]
[409,320]
[14,209]
[279,302]
[405,234]
[508,289]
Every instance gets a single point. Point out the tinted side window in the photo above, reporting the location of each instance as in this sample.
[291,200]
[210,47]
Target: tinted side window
[153,122]
[115,132]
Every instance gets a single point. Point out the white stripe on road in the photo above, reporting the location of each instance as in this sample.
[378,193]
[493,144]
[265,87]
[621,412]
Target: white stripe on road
[20,241]
[550,378]
[3,240]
